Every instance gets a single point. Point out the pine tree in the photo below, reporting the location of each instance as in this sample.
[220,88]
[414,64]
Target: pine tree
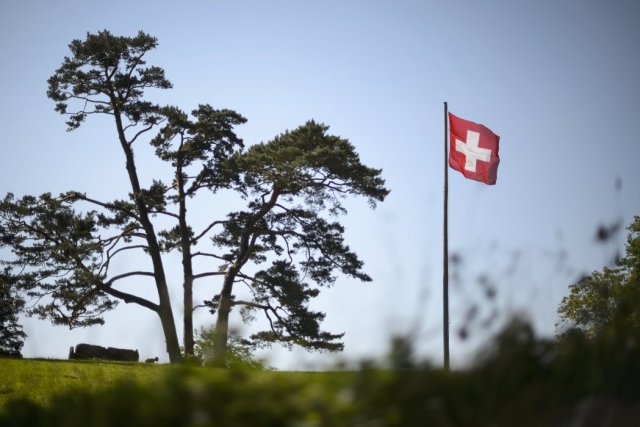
[63,247]
[11,333]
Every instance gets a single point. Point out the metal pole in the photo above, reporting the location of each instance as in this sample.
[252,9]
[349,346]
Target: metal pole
[445,254]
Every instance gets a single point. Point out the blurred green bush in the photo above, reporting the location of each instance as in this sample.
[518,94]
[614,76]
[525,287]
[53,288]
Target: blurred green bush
[520,380]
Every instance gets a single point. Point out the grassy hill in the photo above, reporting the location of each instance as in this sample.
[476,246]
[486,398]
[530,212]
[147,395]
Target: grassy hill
[39,380]
[85,393]
[523,381]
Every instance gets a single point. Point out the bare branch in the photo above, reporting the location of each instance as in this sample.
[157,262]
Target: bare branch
[140,132]
[108,206]
[126,248]
[105,265]
[206,230]
[209,255]
[129,298]
[88,100]
[208,274]
[110,282]
[171,214]
[251,304]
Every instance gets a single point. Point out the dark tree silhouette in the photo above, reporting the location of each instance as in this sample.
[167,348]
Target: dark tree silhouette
[63,247]
[11,333]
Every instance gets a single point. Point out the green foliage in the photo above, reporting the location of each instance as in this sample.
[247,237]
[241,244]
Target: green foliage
[313,164]
[56,258]
[207,141]
[239,351]
[293,183]
[608,297]
[519,380]
[11,334]
[284,245]
[41,380]
[106,74]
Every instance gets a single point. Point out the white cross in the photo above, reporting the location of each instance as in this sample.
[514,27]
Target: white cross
[472,152]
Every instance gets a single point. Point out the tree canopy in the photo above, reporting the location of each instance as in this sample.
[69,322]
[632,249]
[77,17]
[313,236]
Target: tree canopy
[606,298]
[282,247]
[11,334]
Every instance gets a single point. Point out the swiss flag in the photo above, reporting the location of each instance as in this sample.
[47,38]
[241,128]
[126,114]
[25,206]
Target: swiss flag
[473,150]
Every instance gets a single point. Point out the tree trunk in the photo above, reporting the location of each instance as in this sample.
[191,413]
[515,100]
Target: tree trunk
[221,332]
[187,266]
[169,328]
[247,243]
[188,315]
[164,301]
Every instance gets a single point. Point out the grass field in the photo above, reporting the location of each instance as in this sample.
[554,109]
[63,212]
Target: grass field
[39,380]
[525,381]
[61,392]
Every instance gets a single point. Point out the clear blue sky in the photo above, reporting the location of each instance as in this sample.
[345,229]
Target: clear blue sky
[557,80]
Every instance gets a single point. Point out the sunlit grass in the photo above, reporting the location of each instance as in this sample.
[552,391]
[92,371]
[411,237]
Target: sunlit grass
[39,380]
[523,380]
[99,391]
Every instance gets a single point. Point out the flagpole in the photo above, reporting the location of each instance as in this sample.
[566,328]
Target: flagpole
[445,252]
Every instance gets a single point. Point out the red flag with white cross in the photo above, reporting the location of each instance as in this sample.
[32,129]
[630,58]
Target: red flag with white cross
[473,150]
